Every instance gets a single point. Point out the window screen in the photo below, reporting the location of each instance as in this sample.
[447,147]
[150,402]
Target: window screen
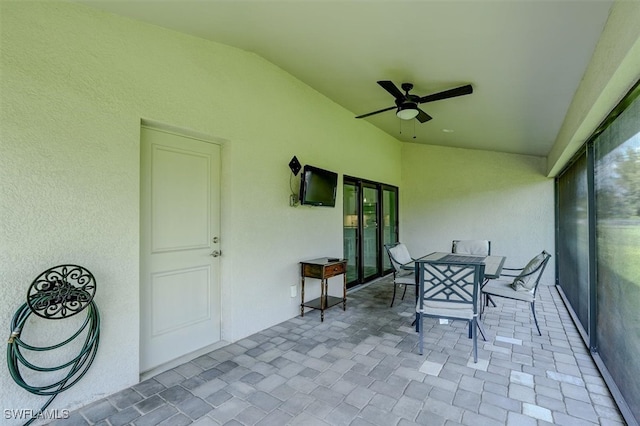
[573,238]
[617,181]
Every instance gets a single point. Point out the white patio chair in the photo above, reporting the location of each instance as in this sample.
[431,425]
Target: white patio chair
[523,284]
[403,267]
[479,247]
[452,291]
[474,247]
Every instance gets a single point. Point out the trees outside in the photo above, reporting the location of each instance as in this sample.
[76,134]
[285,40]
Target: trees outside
[618,177]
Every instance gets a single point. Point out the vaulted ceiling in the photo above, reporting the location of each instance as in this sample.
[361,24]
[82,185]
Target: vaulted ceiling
[524,58]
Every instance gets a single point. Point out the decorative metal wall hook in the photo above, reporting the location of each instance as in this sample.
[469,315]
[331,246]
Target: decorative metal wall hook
[61,291]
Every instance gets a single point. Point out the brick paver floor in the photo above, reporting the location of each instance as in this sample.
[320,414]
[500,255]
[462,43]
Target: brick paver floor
[361,367]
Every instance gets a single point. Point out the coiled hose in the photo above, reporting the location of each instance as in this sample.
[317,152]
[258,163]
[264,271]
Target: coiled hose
[57,293]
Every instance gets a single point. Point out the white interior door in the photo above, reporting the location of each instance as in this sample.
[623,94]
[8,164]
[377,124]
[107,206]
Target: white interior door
[179,267]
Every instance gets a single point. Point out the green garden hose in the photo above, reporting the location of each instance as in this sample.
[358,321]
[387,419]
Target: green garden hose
[58,293]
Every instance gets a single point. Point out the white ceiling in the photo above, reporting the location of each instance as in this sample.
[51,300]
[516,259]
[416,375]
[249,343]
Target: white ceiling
[524,58]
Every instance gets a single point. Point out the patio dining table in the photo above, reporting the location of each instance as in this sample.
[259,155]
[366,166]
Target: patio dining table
[492,264]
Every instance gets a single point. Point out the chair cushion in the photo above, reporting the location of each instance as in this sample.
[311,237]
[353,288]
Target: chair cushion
[401,254]
[405,277]
[480,247]
[503,288]
[526,283]
[446,309]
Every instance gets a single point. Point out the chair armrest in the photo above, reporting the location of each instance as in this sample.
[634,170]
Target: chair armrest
[515,273]
[536,270]
[538,264]
[409,266]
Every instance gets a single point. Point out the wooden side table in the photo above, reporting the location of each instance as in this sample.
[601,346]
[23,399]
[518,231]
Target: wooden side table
[323,269]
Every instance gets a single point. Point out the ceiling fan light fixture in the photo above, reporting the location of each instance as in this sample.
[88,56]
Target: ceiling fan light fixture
[407,111]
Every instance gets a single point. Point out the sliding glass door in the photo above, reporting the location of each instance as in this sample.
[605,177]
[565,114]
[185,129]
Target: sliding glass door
[389,221]
[351,223]
[370,221]
[371,242]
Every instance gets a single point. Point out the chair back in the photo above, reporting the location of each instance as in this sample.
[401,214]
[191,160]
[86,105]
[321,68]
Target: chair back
[449,286]
[398,255]
[479,247]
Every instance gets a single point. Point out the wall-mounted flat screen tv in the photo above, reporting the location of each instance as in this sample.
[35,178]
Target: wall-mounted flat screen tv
[318,187]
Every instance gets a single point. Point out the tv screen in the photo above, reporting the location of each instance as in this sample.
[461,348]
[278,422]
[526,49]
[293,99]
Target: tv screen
[318,187]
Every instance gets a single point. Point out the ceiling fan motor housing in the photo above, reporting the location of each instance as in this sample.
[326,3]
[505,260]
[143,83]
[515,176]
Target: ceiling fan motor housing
[406,104]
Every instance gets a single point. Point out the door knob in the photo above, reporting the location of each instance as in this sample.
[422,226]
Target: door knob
[215,253]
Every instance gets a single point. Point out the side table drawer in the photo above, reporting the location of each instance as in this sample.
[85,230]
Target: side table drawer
[312,271]
[332,270]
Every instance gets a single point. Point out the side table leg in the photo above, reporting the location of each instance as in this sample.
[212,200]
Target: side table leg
[302,298]
[344,291]
[322,298]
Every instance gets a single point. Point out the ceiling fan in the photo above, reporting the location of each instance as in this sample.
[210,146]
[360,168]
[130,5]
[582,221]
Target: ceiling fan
[407,104]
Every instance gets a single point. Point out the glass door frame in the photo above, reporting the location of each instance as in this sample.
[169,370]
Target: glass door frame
[360,184]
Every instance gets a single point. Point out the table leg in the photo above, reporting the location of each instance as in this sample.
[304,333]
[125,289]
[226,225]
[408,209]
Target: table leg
[323,297]
[302,298]
[417,286]
[344,291]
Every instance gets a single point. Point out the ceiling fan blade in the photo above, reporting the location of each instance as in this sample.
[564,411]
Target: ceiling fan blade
[376,112]
[423,116]
[451,93]
[391,88]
